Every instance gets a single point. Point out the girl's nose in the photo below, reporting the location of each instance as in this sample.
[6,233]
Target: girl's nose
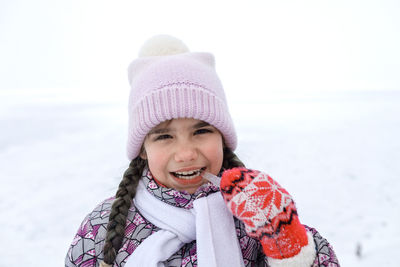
[185,153]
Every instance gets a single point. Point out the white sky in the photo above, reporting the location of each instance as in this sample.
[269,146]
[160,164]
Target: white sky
[259,45]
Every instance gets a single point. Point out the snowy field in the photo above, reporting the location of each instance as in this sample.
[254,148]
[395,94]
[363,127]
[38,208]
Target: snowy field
[338,154]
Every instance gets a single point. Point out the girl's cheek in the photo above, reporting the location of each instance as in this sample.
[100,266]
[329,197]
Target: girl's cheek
[214,149]
[157,153]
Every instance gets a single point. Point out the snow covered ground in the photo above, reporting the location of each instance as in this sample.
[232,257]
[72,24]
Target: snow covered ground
[337,153]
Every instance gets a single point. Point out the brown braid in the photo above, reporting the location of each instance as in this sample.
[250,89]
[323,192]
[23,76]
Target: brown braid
[126,192]
[119,211]
[231,160]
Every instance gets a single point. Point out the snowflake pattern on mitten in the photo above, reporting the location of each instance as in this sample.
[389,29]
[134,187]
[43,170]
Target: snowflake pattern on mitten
[267,210]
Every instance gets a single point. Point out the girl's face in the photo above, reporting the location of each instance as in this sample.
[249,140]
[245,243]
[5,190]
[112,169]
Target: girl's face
[180,150]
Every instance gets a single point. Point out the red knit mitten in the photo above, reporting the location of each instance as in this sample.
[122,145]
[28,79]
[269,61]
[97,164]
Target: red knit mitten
[266,209]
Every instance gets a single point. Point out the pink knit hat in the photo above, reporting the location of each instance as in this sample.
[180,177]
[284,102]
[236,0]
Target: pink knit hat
[168,82]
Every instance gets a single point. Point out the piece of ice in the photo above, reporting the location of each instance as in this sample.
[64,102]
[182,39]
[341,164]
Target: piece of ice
[212,178]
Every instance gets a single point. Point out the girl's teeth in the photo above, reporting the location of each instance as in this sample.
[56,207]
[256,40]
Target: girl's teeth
[187,175]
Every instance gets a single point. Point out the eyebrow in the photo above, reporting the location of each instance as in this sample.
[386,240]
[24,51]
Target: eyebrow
[200,124]
[159,131]
[167,129]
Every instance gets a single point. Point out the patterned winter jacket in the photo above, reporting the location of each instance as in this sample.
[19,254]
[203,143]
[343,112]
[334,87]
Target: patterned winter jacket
[87,246]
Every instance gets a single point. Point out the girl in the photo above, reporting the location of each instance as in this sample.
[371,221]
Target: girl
[164,212]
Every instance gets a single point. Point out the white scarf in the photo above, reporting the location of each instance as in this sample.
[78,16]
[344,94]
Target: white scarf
[209,222]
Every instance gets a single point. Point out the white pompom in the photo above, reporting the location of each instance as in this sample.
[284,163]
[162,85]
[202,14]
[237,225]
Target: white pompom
[162,45]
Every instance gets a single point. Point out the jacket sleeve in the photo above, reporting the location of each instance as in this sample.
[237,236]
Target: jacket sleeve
[86,248]
[82,249]
[324,254]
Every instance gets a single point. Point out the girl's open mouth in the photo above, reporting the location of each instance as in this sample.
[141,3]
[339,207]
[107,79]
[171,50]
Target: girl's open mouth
[189,177]
[189,174]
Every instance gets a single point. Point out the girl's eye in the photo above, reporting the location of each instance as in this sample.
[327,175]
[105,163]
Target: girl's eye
[203,131]
[162,137]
